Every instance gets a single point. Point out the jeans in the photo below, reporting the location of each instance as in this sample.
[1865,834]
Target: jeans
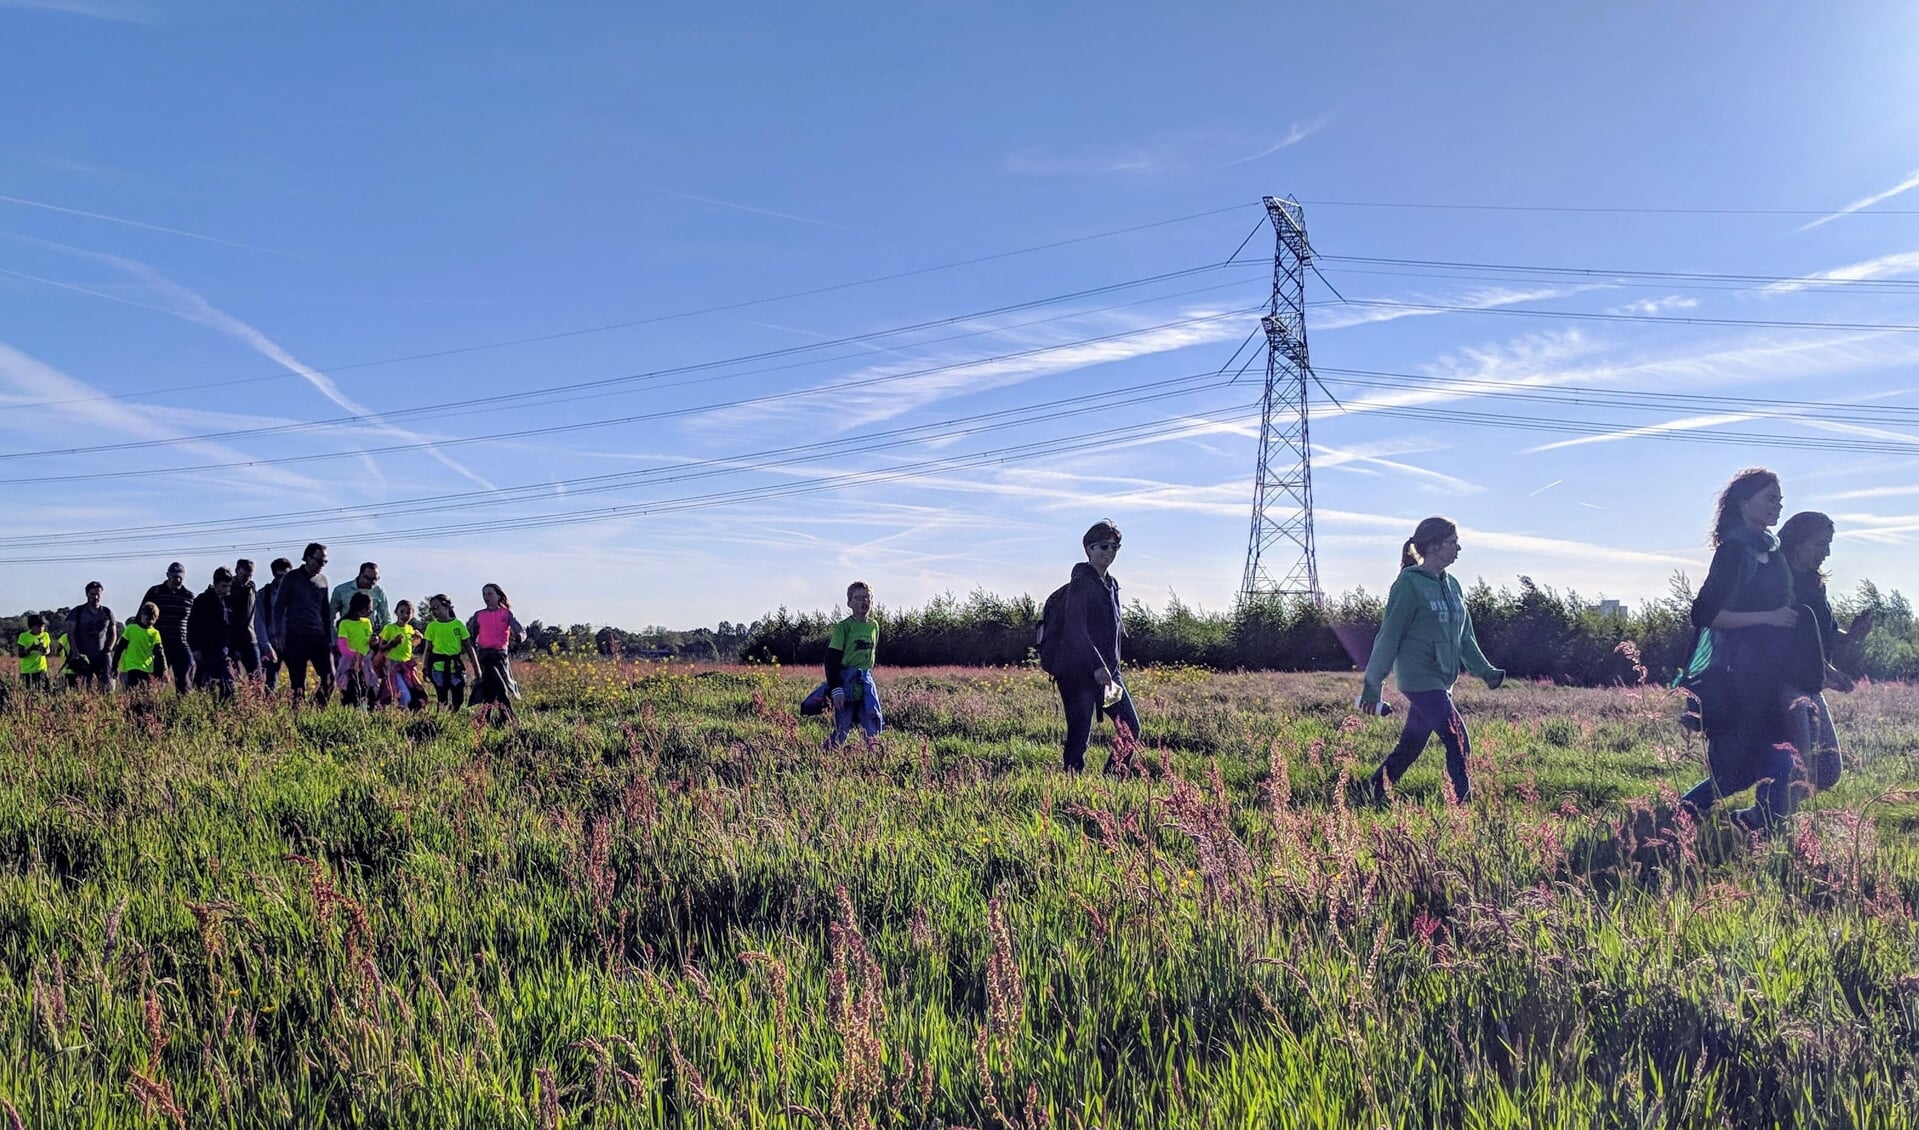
[1429,713]
[179,661]
[862,702]
[246,653]
[1081,696]
[210,670]
[1809,721]
[1759,746]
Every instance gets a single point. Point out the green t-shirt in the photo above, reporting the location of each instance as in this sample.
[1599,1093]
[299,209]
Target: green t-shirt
[358,635]
[34,664]
[141,644]
[856,641]
[402,651]
[446,637]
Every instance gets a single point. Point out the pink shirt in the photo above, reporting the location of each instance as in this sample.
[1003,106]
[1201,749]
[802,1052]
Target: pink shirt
[493,627]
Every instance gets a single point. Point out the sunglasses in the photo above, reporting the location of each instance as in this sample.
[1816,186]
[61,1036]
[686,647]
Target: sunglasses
[1104,545]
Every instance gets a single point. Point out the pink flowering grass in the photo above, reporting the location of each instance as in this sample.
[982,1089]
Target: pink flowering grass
[655,901]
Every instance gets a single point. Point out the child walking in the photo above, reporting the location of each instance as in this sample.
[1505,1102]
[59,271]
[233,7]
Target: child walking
[1425,639]
[495,629]
[449,649]
[850,652]
[33,646]
[138,656]
[353,667]
[399,676]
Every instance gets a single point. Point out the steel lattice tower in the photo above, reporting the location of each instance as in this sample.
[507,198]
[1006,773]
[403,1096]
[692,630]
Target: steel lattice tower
[1279,553]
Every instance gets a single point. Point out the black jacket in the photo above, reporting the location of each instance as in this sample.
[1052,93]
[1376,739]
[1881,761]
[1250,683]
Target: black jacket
[207,622]
[240,599]
[1092,624]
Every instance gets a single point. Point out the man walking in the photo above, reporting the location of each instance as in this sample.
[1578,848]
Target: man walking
[92,633]
[175,602]
[302,631]
[243,646]
[367,582]
[263,621]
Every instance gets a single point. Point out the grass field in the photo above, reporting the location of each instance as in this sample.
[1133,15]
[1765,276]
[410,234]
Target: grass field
[656,903]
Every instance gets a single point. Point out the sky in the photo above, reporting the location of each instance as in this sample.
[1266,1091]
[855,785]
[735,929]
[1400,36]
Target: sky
[668,315]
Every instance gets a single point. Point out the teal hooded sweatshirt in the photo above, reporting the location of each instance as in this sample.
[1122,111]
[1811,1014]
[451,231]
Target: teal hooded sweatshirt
[1426,637]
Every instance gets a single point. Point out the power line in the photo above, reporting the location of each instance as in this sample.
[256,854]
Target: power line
[1609,272]
[553,429]
[547,394]
[1661,319]
[1620,399]
[1063,445]
[1858,446]
[651,320]
[1021,416]
[1862,286]
[1630,211]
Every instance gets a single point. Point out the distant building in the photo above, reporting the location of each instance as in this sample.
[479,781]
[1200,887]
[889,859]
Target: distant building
[1612,609]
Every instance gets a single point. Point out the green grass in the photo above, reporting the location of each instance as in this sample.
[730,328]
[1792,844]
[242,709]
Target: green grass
[657,903]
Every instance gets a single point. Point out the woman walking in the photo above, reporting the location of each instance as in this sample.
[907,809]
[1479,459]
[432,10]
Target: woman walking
[494,630]
[1805,541]
[1757,656]
[1425,639]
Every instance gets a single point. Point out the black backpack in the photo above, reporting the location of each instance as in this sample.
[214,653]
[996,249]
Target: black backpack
[1050,640]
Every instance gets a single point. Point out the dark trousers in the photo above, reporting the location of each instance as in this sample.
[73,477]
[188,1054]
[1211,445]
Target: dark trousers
[1752,745]
[210,671]
[1429,713]
[246,653]
[1081,696]
[93,668]
[303,653]
[179,661]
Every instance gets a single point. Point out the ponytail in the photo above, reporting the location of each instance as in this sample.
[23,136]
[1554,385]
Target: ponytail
[1408,555]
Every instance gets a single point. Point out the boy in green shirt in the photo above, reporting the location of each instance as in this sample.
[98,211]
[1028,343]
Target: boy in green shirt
[33,646]
[139,654]
[849,668]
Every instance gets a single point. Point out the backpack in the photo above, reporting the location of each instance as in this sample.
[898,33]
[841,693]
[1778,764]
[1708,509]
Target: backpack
[1050,639]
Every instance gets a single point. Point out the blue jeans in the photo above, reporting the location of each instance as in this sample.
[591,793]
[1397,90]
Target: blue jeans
[862,702]
[1429,713]
[1756,749]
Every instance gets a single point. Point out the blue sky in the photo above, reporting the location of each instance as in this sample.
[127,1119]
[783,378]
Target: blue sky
[282,250]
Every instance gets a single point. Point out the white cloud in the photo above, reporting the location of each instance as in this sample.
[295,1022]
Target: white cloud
[1683,424]
[1884,267]
[1338,317]
[1365,457]
[1911,182]
[1294,136]
[1647,306]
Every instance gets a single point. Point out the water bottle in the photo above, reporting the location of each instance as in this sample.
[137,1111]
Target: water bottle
[1380,708]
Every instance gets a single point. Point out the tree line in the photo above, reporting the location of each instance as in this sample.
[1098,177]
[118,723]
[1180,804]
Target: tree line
[1532,630]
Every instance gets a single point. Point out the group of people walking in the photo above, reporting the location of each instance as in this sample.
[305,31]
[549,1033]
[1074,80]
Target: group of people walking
[297,624]
[1767,648]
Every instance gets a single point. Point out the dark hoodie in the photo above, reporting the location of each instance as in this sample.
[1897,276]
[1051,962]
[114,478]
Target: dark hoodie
[207,623]
[1092,623]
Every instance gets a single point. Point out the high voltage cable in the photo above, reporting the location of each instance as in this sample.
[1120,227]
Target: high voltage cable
[1015,453]
[1616,210]
[1862,286]
[747,463]
[545,394]
[1605,272]
[1549,424]
[1620,399]
[1660,319]
[651,320]
[552,429]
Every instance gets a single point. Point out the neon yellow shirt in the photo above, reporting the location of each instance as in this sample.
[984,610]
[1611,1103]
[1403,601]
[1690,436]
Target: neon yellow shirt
[402,651]
[34,664]
[856,641]
[141,644]
[446,637]
[358,635]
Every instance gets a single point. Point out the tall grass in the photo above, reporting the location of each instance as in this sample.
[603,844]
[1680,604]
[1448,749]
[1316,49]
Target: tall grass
[656,903]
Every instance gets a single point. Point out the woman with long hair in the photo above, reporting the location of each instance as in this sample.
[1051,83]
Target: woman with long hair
[1754,662]
[495,630]
[1425,639]
[1805,541]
